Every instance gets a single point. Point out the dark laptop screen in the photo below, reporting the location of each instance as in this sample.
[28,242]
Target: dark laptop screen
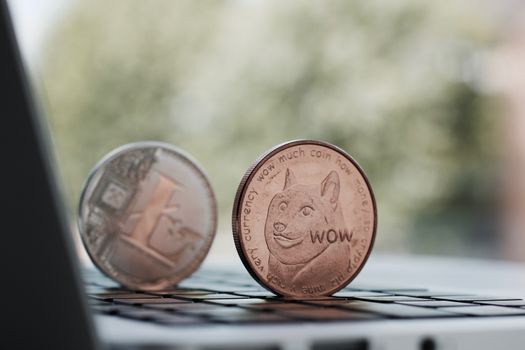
[46,310]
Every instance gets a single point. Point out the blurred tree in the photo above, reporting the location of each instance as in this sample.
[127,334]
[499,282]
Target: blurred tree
[393,83]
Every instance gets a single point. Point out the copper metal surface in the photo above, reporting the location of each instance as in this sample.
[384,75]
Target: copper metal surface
[147,215]
[304,219]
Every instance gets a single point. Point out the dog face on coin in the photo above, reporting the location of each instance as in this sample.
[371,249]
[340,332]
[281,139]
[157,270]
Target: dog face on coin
[303,221]
[300,217]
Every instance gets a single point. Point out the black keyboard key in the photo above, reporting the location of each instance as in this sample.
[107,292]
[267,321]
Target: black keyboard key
[380,288]
[216,296]
[278,307]
[242,302]
[517,302]
[397,310]
[107,308]
[182,292]
[325,314]
[473,298]
[110,292]
[327,302]
[231,315]
[390,299]
[128,295]
[179,320]
[205,285]
[253,318]
[486,310]
[403,290]
[93,302]
[210,310]
[149,301]
[159,316]
[435,303]
[257,294]
[426,293]
[358,294]
[177,307]
[248,289]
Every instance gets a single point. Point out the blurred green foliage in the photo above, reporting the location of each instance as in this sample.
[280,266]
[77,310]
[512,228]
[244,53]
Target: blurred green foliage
[396,84]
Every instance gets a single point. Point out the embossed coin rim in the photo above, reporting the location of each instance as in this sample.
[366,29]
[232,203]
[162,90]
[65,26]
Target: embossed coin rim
[241,191]
[193,266]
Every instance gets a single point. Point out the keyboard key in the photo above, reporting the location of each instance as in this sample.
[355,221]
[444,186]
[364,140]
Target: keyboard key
[216,296]
[108,292]
[473,298]
[92,301]
[435,303]
[202,285]
[253,318]
[328,302]
[235,302]
[397,310]
[390,299]
[111,296]
[247,289]
[178,320]
[275,307]
[182,292]
[105,309]
[379,288]
[403,290]
[486,310]
[237,315]
[358,294]
[324,314]
[313,299]
[140,313]
[177,307]
[147,301]
[210,310]
[426,293]
[256,294]
[388,290]
[159,316]
[504,302]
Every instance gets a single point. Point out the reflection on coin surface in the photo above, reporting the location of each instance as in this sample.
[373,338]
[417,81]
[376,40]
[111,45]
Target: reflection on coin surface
[304,219]
[147,215]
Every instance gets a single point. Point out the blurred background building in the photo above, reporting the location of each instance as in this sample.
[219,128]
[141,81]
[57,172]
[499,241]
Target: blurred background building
[429,97]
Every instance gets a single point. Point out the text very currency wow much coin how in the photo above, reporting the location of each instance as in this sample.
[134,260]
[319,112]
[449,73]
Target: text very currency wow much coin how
[304,219]
[147,215]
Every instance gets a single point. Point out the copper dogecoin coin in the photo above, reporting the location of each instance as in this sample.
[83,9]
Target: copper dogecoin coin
[304,219]
[147,215]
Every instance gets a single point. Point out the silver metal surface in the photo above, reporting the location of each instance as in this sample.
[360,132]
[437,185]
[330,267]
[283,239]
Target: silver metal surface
[147,215]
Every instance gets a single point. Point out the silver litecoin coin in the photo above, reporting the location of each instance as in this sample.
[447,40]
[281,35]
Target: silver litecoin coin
[147,215]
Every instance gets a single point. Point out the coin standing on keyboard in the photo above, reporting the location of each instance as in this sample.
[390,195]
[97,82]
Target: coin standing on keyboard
[147,215]
[304,219]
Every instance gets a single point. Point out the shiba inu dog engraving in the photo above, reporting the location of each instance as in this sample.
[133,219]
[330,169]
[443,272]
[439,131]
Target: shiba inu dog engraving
[304,219]
[147,215]
[305,226]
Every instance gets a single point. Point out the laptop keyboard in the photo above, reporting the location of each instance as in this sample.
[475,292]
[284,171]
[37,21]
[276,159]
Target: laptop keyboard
[218,297]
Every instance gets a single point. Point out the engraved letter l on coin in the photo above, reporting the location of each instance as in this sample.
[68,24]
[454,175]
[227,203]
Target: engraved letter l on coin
[157,206]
